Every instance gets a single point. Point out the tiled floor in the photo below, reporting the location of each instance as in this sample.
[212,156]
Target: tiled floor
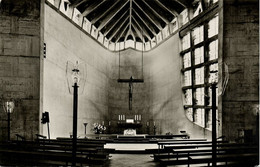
[132,160]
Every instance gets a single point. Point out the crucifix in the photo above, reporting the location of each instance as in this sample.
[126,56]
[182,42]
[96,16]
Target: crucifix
[130,81]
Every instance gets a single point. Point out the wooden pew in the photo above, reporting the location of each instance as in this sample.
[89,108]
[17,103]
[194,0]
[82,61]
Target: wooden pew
[40,136]
[183,136]
[185,154]
[174,140]
[249,159]
[178,153]
[183,148]
[19,137]
[161,143]
[58,151]
[35,158]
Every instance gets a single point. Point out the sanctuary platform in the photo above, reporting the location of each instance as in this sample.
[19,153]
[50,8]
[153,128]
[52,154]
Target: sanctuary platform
[127,148]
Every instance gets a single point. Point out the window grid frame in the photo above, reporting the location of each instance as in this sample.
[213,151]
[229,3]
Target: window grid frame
[206,64]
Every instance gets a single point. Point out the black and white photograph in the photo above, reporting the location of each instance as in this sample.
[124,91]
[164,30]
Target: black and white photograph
[129,83]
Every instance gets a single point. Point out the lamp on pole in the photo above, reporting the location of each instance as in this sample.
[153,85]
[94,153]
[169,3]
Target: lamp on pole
[8,107]
[214,115]
[75,78]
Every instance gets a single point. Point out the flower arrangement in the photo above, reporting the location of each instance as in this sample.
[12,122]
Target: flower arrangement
[98,128]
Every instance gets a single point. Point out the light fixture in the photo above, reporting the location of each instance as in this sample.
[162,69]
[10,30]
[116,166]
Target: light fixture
[214,78]
[75,79]
[8,108]
[75,73]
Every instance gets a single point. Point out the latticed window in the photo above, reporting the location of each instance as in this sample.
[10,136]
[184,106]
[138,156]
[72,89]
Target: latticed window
[213,50]
[200,70]
[197,35]
[188,97]
[199,75]
[187,60]
[199,116]
[213,27]
[213,72]
[189,113]
[199,55]
[187,78]
[199,96]
[185,42]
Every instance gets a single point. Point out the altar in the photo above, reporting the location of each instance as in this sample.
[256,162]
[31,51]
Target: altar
[130,133]
[126,125]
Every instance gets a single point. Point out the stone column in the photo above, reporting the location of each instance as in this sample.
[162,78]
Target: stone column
[20,59]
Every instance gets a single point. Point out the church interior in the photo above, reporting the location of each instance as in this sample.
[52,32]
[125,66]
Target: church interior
[129,83]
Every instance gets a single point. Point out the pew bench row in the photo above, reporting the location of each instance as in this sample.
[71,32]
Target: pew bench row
[53,153]
[200,152]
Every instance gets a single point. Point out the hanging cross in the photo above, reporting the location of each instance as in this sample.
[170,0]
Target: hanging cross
[130,81]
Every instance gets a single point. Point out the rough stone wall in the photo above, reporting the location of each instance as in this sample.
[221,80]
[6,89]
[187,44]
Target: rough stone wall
[20,66]
[240,52]
[65,42]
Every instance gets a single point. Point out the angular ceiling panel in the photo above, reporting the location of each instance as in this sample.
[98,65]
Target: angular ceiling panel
[120,20]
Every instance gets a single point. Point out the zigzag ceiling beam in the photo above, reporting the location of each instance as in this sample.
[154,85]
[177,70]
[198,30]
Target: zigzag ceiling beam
[131,10]
[92,7]
[162,5]
[111,16]
[153,31]
[107,31]
[157,14]
[123,33]
[76,3]
[156,23]
[141,29]
[184,3]
[105,13]
[113,33]
[138,33]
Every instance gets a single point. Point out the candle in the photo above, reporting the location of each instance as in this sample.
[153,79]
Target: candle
[103,123]
[118,117]
[154,123]
[147,123]
[109,123]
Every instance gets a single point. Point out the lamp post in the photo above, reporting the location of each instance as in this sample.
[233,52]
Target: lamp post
[85,124]
[214,119]
[76,82]
[75,79]
[154,128]
[8,107]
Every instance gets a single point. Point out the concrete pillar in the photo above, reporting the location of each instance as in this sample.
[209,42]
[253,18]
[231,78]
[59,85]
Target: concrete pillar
[239,51]
[20,57]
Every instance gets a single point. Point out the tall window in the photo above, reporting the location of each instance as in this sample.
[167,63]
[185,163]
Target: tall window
[200,69]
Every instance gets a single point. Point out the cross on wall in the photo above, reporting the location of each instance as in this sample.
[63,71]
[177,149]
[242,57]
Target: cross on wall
[130,81]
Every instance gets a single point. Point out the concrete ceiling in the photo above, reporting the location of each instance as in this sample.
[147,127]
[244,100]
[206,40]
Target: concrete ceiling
[139,20]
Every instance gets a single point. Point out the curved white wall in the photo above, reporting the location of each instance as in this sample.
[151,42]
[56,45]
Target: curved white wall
[163,73]
[65,42]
